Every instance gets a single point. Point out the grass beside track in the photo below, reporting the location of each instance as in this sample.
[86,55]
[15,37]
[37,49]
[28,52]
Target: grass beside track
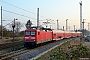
[9,40]
[60,52]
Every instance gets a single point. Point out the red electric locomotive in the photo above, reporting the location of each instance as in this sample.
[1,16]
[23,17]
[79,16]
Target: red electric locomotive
[33,37]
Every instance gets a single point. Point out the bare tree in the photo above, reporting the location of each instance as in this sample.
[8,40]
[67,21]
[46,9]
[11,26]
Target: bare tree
[4,31]
[18,26]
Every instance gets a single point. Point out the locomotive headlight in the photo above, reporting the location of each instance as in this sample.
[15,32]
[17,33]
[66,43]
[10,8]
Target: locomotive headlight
[32,37]
[33,40]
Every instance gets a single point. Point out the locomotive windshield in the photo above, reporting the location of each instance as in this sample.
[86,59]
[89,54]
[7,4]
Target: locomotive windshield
[27,33]
[32,33]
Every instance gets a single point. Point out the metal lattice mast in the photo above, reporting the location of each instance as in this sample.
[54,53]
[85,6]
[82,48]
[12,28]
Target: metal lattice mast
[80,15]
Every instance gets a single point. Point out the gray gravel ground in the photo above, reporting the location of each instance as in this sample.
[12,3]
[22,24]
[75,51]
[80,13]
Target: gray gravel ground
[32,55]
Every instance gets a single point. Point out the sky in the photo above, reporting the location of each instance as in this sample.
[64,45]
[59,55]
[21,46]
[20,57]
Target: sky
[48,9]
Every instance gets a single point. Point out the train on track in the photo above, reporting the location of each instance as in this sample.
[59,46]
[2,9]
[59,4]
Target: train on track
[35,36]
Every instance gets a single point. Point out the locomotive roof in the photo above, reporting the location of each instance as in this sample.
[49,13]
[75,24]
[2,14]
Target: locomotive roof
[40,28]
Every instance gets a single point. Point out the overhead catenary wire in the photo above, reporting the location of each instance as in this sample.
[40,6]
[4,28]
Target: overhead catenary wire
[19,8]
[7,24]
[18,14]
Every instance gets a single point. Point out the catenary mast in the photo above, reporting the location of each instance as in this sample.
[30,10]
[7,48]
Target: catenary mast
[80,15]
[37,17]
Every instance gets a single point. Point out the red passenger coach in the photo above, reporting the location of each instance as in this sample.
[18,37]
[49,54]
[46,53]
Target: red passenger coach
[33,37]
[54,34]
[60,34]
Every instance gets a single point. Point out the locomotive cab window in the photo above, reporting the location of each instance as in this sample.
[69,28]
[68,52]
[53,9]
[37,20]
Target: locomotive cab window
[27,33]
[33,33]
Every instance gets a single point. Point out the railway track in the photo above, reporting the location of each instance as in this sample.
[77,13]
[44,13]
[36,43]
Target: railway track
[17,54]
[10,45]
[10,55]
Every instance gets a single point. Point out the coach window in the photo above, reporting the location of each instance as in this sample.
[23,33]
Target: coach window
[38,33]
